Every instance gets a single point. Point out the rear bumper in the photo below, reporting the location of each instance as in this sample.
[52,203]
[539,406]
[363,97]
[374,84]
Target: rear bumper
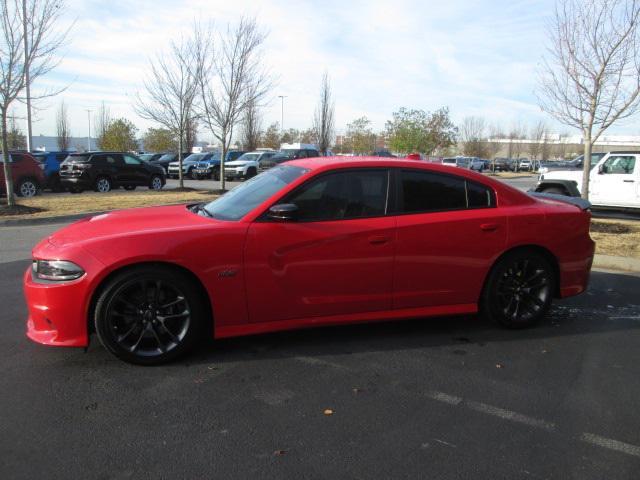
[575,273]
[75,182]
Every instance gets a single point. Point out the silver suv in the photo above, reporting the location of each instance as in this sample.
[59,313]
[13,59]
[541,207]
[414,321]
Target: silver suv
[246,166]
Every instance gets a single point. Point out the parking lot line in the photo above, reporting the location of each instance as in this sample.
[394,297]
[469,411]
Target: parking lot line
[510,415]
[611,444]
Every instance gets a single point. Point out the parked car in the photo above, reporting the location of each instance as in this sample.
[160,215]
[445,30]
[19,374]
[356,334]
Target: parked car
[150,157]
[188,164]
[308,243]
[26,172]
[51,162]
[168,158]
[210,168]
[501,164]
[525,164]
[103,171]
[471,163]
[613,181]
[383,153]
[287,155]
[247,165]
[576,163]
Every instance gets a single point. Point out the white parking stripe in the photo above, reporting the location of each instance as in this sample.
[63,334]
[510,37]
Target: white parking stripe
[510,415]
[611,444]
[444,397]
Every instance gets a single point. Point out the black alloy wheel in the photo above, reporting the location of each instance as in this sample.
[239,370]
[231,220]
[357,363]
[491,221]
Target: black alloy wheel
[149,315]
[519,290]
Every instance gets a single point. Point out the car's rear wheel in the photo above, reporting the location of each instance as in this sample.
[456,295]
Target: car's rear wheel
[155,183]
[102,185]
[149,315]
[27,188]
[519,289]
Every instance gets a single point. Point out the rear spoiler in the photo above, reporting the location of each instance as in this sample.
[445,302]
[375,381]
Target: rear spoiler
[579,202]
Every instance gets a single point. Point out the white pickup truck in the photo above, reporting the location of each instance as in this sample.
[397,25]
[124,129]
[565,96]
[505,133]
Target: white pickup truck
[614,181]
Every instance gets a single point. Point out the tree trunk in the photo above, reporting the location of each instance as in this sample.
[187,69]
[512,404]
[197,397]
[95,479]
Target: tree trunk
[8,177]
[586,164]
[180,177]
[222,156]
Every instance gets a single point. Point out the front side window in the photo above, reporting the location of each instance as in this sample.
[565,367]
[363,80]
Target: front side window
[433,192]
[342,195]
[129,160]
[619,164]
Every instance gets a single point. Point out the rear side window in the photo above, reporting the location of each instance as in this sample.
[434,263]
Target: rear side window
[433,192]
[342,195]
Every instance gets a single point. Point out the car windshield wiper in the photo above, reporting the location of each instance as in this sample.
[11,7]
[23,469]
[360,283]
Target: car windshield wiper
[200,209]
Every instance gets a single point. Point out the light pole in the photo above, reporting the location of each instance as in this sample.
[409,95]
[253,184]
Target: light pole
[27,81]
[282,97]
[89,132]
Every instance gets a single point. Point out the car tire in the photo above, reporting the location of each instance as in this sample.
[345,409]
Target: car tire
[155,183]
[251,172]
[519,290]
[149,315]
[555,190]
[129,187]
[27,188]
[102,185]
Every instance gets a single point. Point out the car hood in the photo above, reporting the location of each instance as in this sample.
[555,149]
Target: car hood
[238,163]
[118,223]
[575,175]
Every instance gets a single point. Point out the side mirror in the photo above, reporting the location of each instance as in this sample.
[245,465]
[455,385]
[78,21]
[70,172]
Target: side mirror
[283,212]
[601,169]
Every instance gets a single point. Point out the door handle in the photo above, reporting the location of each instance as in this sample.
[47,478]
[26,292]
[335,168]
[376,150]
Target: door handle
[489,227]
[378,239]
[628,181]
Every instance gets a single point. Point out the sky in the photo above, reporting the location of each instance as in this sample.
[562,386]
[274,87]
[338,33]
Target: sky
[474,57]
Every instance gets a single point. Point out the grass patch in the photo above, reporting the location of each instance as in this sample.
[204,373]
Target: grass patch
[59,204]
[616,237]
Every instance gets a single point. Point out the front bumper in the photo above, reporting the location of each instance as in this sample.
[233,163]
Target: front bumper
[57,312]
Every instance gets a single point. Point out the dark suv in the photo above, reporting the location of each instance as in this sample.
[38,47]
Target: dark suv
[102,171]
[286,155]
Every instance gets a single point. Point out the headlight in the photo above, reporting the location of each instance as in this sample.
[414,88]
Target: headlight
[56,270]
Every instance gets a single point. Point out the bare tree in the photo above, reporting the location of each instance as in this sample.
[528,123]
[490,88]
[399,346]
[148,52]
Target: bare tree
[251,124]
[472,136]
[233,78]
[101,120]
[592,76]
[62,127]
[537,134]
[323,119]
[41,20]
[171,91]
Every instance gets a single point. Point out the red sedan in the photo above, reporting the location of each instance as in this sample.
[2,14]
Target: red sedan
[319,241]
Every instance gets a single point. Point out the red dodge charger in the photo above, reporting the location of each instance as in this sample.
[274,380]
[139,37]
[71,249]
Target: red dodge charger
[318,241]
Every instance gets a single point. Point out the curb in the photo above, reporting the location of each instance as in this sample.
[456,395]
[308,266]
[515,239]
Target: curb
[626,264]
[29,222]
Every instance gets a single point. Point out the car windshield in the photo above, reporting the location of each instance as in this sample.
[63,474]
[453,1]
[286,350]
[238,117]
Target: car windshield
[195,157]
[168,156]
[245,197]
[249,157]
[146,156]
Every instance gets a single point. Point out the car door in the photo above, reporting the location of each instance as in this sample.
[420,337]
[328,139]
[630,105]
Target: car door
[449,231]
[615,182]
[335,259]
[136,173]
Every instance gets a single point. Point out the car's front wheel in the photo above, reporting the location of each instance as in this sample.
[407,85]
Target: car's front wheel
[519,289]
[155,183]
[27,188]
[149,315]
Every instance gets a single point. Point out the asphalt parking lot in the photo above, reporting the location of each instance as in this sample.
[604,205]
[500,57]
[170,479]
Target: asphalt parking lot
[436,398]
